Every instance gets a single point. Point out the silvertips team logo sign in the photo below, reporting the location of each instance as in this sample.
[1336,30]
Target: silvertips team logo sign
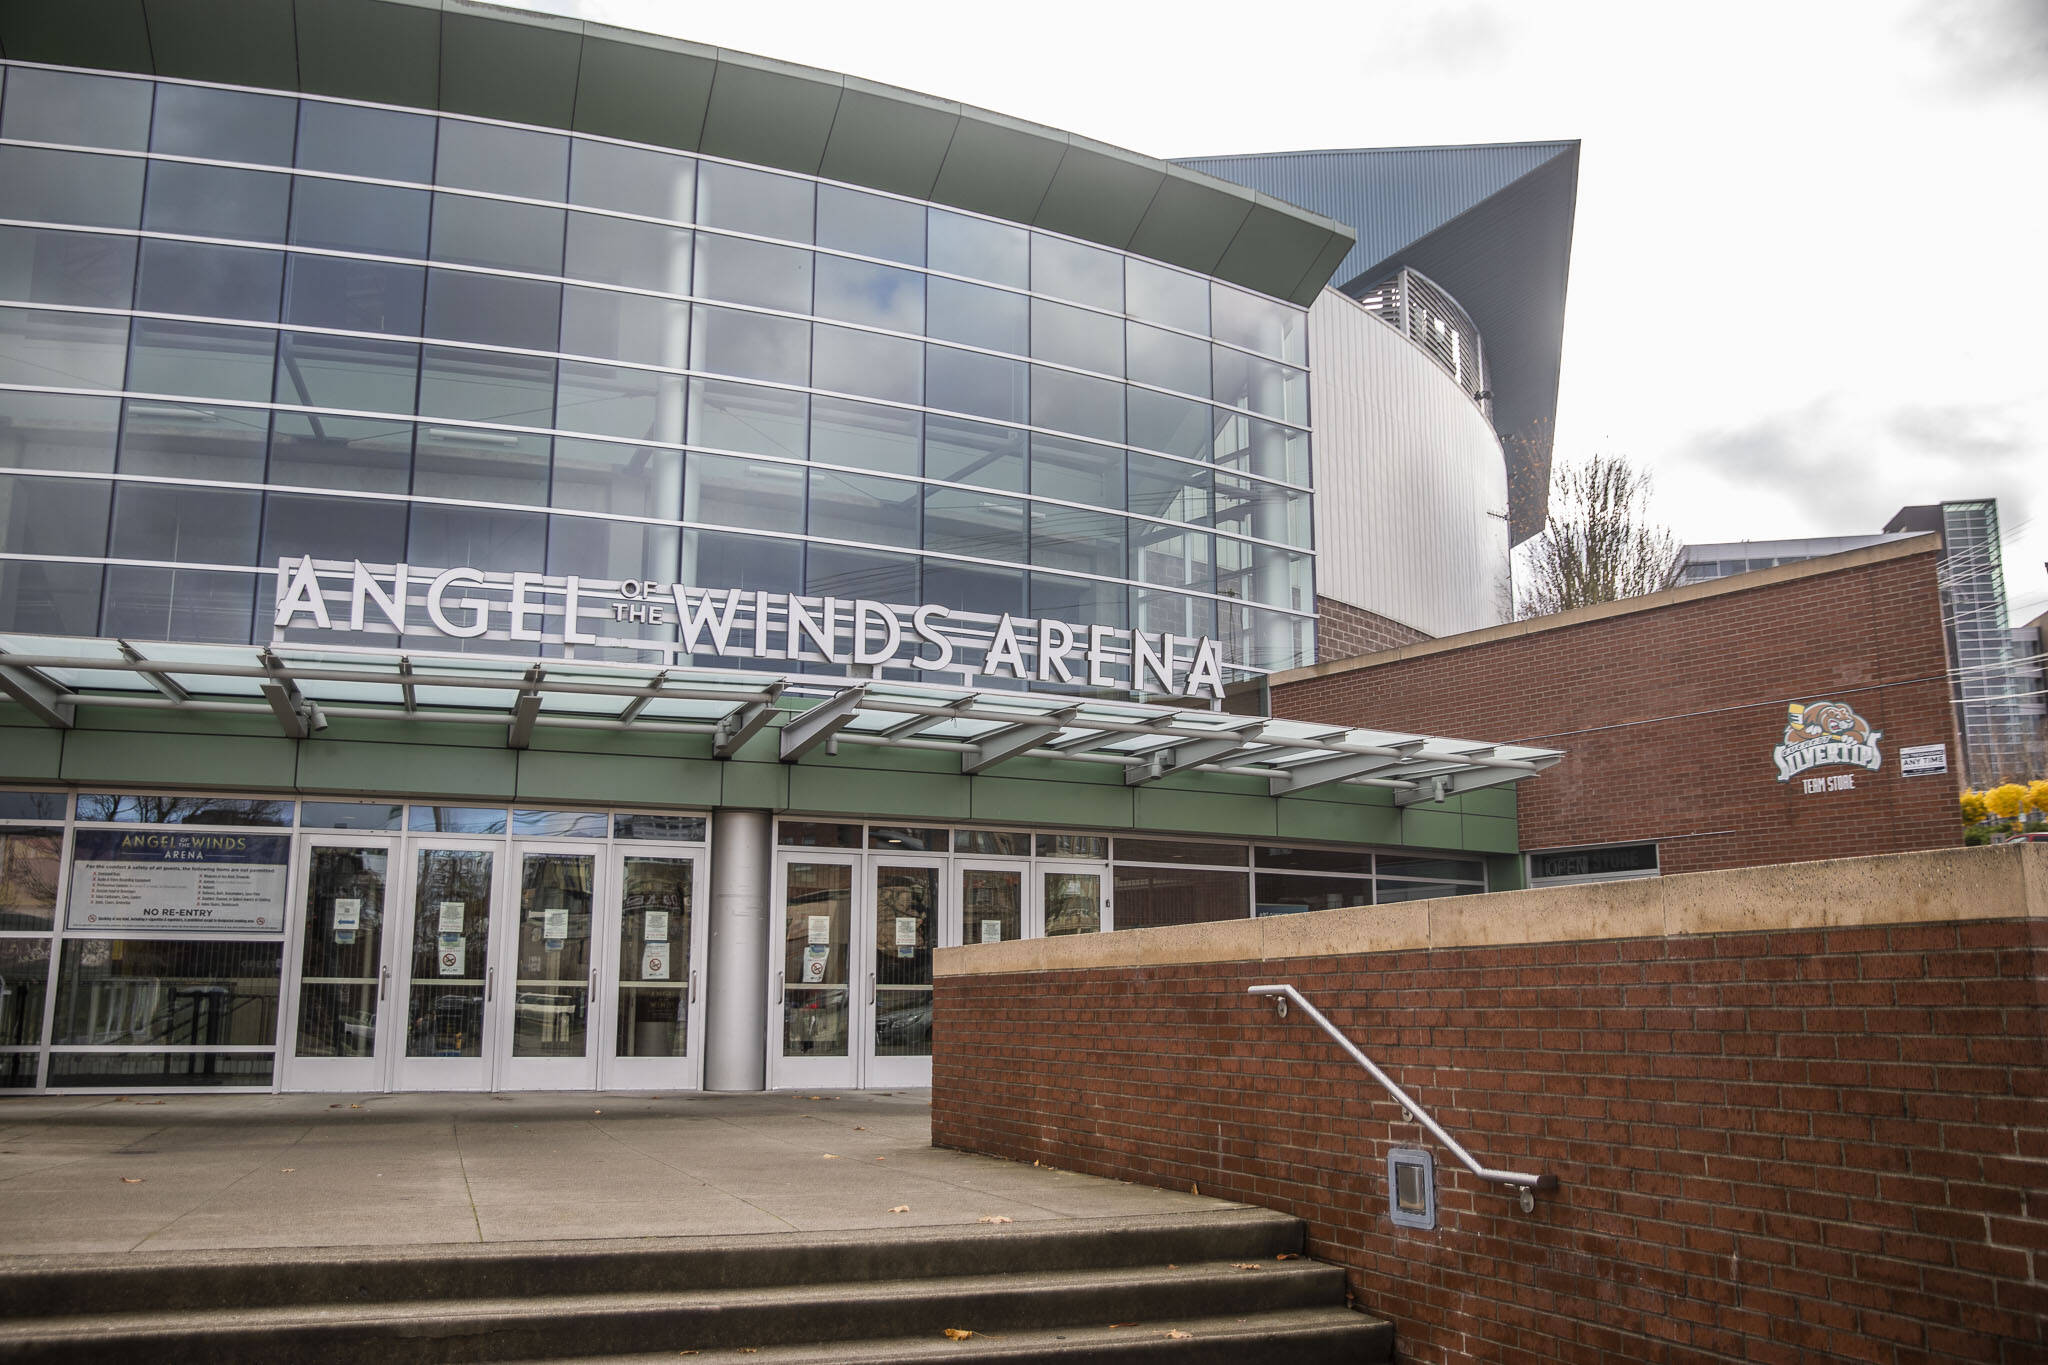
[1823,734]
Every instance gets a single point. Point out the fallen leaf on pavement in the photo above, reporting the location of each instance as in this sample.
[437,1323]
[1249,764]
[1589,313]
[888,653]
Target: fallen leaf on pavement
[881,1158]
[1243,1265]
[830,1157]
[1123,1324]
[1177,1335]
[131,1180]
[1172,1267]
[287,1170]
[996,1218]
[597,1111]
[901,1208]
[1194,1188]
[1288,1256]
[355,1106]
[958,1334]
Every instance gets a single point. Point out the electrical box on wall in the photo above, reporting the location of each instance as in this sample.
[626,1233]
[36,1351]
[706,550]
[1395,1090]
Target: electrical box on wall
[1411,1187]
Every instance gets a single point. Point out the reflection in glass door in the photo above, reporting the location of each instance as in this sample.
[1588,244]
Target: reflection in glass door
[446,979]
[1071,899]
[552,973]
[810,1044]
[341,1023]
[904,927]
[991,902]
[655,1029]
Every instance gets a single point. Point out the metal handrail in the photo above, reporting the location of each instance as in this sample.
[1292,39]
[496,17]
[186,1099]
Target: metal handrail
[1527,1184]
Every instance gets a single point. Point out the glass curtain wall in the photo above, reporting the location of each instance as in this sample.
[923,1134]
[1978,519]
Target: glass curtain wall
[236,326]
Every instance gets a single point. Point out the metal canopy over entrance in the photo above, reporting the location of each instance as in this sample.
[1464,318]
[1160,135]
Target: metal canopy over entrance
[301,689]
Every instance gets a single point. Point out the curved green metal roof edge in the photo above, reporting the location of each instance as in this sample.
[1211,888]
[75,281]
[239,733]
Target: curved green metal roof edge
[462,57]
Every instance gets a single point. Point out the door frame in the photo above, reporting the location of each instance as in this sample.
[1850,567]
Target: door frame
[508,1070]
[874,1070]
[1043,867]
[819,1073]
[351,1075]
[967,930]
[654,1073]
[449,1073]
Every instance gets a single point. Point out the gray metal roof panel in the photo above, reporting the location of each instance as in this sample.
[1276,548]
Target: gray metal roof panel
[249,42]
[385,51]
[643,92]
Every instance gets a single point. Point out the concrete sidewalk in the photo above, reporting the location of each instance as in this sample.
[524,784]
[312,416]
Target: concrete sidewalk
[164,1173]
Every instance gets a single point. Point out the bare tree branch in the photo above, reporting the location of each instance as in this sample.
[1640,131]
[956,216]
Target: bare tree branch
[1599,544]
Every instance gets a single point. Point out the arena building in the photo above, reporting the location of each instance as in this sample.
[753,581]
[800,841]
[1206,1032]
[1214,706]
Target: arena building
[535,555]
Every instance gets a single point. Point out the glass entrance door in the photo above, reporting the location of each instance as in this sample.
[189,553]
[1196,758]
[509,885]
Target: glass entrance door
[443,978]
[992,901]
[344,1021]
[810,1040]
[547,1015]
[1071,899]
[903,924]
[656,1011]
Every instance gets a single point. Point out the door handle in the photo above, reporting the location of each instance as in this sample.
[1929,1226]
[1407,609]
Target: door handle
[692,999]
[593,985]
[490,978]
[871,988]
[383,981]
[778,988]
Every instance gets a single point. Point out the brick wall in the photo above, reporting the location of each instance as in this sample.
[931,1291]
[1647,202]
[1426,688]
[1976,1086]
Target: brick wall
[1825,1143]
[1668,711]
[1344,631]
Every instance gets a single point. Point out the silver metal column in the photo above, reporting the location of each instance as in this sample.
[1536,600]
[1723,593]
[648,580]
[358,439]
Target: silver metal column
[736,976]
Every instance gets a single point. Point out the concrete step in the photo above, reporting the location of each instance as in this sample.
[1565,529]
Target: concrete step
[550,1324]
[56,1285]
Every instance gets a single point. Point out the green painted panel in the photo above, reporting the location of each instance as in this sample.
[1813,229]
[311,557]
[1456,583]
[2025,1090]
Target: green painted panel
[371,50]
[1504,872]
[1268,251]
[1204,812]
[1099,194]
[626,743]
[876,761]
[997,167]
[1191,221]
[1338,821]
[176,723]
[852,791]
[37,754]
[108,34]
[158,760]
[646,781]
[1489,834]
[242,42]
[1432,828]
[1322,268]
[1238,784]
[408,769]
[769,114]
[1058,803]
[643,93]
[401,731]
[1490,801]
[1061,772]
[511,65]
[755,786]
[880,138]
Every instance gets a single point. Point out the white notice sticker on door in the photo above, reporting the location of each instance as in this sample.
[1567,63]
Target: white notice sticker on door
[821,928]
[554,924]
[656,927]
[451,916]
[991,931]
[654,962]
[348,917]
[450,954]
[814,961]
[906,935]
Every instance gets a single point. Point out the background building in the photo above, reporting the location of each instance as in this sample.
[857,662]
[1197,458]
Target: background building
[1704,563]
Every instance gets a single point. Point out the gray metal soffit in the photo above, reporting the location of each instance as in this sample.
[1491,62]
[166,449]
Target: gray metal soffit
[1490,224]
[462,57]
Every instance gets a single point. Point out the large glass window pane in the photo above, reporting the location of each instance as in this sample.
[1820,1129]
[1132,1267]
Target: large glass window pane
[1082,601]
[605,175]
[1451,869]
[862,508]
[344,216]
[979,249]
[994,319]
[350,140]
[62,350]
[1250,508]
[57,431]
[1169,360]
[978,385]
[1259,324]
[317,371]
[445,1009]
[201,361]
[493,309]
[53,516]
[750,345]
[759,202]
[974,452]
[830,571]
[41,265]
[749,493]
[340,967]
[610,400]
[178,604]
[210,281]
[489,466]
[335,452]
[224,125]
[136,1070]
[963,521]
[480,537]
[1075,336]
[814,967]
[878,295]
[213,201]
[595,548]
[1178,426]
[72,187]
[613,326]
[1075,471]
[1171,557]
[368,529]
[655,971]
[185,525]
[746,418]
[1082,542]
[1390,892]
[1254,385]
[1147,897]
[1168,488]
[485,386]
[966,587]
[64,106]
[483,156]
[1159,611]
[494,233]
[863,363]
[1173,298]
[186,441]
[715,559]
[1250,446]
[870,225]
[1314,859]
[601,476]
[1076,403]
[144,991]
[25,967]
[743,271]
[864,434]
[238,812]
[357,296]
[1069,270]
[622,251]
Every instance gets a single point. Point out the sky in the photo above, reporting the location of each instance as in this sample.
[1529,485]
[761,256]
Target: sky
[1810,264]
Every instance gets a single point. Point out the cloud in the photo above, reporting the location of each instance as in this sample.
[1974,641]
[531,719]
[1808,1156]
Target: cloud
[1989,44]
